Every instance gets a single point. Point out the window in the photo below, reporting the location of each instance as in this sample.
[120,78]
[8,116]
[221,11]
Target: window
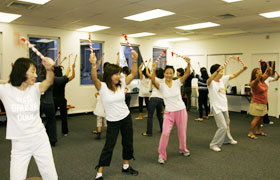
[85,64]
[125,57]
[47,46]
[163,60]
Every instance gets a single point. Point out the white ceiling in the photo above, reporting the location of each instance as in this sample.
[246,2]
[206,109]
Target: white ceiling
[74,14]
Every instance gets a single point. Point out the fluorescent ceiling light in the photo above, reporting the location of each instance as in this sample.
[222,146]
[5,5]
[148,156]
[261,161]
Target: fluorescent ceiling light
[141,34]
[36,1]
[231,1]
[156,13]
[229,33]
[271,14]
[175,39]
[198,26]
[7,17]
[93,28]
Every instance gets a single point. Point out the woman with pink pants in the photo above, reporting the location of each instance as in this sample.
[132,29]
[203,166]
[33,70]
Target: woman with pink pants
[175,109]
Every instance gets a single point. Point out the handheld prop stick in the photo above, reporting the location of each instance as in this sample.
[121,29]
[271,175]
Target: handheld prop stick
[90,43]
[32,47]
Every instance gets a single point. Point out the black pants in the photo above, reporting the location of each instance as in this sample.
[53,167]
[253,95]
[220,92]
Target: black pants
[49,111]
[154,104]
[113,128]
[140,100]
[203,101]
[127,99]
[265,117]
[187,100]
[62,104]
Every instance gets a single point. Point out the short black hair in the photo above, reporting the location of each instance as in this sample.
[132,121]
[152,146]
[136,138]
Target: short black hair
[20,67]
[181,71]
[125,70]
[58,71]
[204,73]
[169,67]
[105,65]
[159,73]
[214,68]
[144,72]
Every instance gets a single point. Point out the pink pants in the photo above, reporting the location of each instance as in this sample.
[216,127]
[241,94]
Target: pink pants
[181,119]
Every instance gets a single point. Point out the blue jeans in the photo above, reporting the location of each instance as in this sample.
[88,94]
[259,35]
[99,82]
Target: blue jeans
[154,103]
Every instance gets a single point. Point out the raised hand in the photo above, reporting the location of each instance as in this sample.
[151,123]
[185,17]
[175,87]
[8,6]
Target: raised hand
[188,60]
[48,63]
[155,65]
[92,59]
[134,55]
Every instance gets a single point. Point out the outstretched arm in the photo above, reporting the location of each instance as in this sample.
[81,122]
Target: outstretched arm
[70,78]
[133,73]
[237,73]
[148,73]
[187,72]
[94,77]
[99,61]
[153,78]
[276,77]
[140,70]
[48,63]
[267,72]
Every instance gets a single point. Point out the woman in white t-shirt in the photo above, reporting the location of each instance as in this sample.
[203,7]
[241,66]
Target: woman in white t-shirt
[175,109]
[112,93]
[21,98]
[218,102]
[144,92]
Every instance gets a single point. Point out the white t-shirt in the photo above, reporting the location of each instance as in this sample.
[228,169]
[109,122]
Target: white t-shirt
[22,109]
[172,96]
[268,80]
[155,91]
[145,86]
[114,102]
[217,95]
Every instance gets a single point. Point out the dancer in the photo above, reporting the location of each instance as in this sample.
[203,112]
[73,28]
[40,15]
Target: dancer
[60,101]
[117,113]
[21,98]
[126,72]
[258,105]
[203,93]
[144,92]
[175,109]
[99,111]
[155,103]
[218,101]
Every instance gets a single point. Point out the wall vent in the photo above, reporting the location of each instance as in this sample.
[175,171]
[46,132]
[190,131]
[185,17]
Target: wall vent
[20,5]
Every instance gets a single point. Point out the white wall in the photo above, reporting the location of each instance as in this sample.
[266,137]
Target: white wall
[82,97]
[249,45]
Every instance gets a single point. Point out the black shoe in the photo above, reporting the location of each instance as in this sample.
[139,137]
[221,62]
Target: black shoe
[130,171]
[98,136]
[100,178]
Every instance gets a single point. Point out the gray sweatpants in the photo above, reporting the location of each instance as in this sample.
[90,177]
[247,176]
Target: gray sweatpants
[222,134]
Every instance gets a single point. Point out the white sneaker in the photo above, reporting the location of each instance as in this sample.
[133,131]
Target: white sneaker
[216,148]
[160,160]
[187,154]
[233,142]
[271,122]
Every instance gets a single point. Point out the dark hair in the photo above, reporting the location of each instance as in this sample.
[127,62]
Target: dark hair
[204,73]
[58,71]
[20,67]
[109,71]
[125,70]
[214,68]
[181,71]
[169,67]
[105,65]
[253,74]
[159,73]
[144,72]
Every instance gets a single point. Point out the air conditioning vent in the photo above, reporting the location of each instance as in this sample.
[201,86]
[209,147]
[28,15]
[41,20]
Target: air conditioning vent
[20,5]
[226,16]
